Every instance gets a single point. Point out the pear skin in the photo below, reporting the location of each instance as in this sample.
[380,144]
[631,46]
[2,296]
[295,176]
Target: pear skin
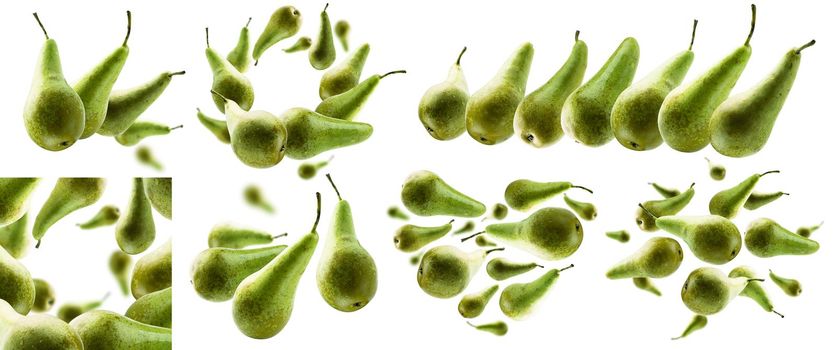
[322,53]
[707,290]
[158,192]
[790,286]
[727,202]
[140,130]
[711,238]
[759,199]
[549,233]
[152,309]
[237,237]
[14,237]
[68,195]
[135,229]
[152,272]
[445,271]
[283,23]
[472,305]
[442,107]
[754,289]
[501,269]
[14,197]
[306,129]
[217,272]
[258,138]
[341,30]
[345,75]
[105,330]
[125,106]
[697,323]
[348,104]
[410,238]
[765,238]
[659,257]
[645,218]
[518,300]
[18,287]
[217,127]
[239,56]
[35,331]
[228,83]
[523,194]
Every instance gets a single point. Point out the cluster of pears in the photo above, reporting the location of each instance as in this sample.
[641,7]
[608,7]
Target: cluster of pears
[262,281]
[261,139]
[713,239]
[445,271]
[56,115]
[641,116]
[24,301]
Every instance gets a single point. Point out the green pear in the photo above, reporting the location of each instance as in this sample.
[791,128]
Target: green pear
[158,191]
[217,272]
[523,195]
[18,289]
[645,218]
[307,171]
[341,30]
[804,231]
[146,157]
[697,323]
[348,104]
[69,311]
[125,106]
[716,171]
[120,265]
[105,330]
[659,257]
[445,271]
[345,75]
[666,192]
[216,126]
[322,53]
[415,259]
[518,300]
[754,289]
[472,305]
[766,238]
[759,199]
[634,115]
[68,195]
[237,237]
[790,286]
[538,118]
[727,202]
[258,138]
[410,238]
[620,236]
[686,112]
[44,296]
[467,227]
[239,56]
[140,130]
[14,197]
[14,237]
[586,211]
[707,290]
[306,129]
[442,107]
[499,211]
[549,233]
[498,328]
[263,302]
[482,241]
[586,114]
[711,238]
[152,272]
[135,230]
[301,44]
[502,269]
[426,194]
[54,112]
[645,284]
[228,84]
[741,125]
[95,86]
[489,115]
[253,195]
[37,331]
[346,274]
[152,309]
[396,213]
[283,23]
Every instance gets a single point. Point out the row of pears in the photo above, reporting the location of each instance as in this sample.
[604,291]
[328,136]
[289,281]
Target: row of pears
[641,115]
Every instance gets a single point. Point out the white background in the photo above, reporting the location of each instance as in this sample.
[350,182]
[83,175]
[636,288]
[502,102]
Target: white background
[424,37]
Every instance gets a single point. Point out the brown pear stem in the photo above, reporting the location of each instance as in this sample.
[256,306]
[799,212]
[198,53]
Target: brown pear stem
[577,32]
[207,37]
[471,236]
[40,24]
[128,34]
[807,45]
[752,25]
[177,73]
[567,268]
[393,72]
[648,211]
[582,187]
[494,250]
[755,280]
[777,312]
[539,265]
[319,209]
[326,7]
[176,127]
[450,222]
[38,245]
[694,30]
[328,176]
[692,185]
[219,95]
[459,58]
[248,22]
[769,172]
[279,236]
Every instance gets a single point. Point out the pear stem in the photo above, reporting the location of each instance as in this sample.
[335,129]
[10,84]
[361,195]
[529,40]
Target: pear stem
[328,176]
[128,34]
[38,245]
[752,25]
[319,207]
[279,236]
[207,37]
[769,172]
[458,59]
[326,7]
[219,95]
[577,32]
[450,222]
[248,22]
[567,268]
[539,265]
[176,127]
[471,236]
[648,211]
[494,250]
[755,280]
[177,73]
[393,72]
[40,24]
[777,312]
[807,45]
[582,187]
[692,185]
[694,29]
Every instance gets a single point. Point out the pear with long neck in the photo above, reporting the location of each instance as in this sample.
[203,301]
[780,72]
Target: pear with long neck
[549,233]
[346,276]
[283,23]
[348,104]
[759,199]
[634,115]
[659,257]
[538,118]
[765,238]
[425,194]
[445,271]
[410,238]
[227,81]
[742,124]
[239,56]
[501,269]
[727,202]
[257,137]
[442,107]
[70,311]
[707,290]
[524,194]
[35,331]
[472,305]
[345,75]
[105,330]
[217,272]
[489,115]
[264,301]
[306,129]
[518,300]
[646,216]
[754,289]
[711,238]
[685,114]
[70,194]
[125,106]
[237,237]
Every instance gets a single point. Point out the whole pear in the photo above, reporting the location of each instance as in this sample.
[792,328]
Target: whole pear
[523,194]
[410,238]
[498,328]
[759,199]
[120,265]
[125,106]
[697,323]
[549,233]
[442,107]
[69,311]
[646,218]
[586,211]
[36,331]
[141,130]
[472,305]
[766,238]
[68,195]
[348,104]
[258,138]
[790,286]
[727,202]
[217,272]
[345,75]
[135,230]
[105,330]
[502,269]
[228,83]
[217,127]
[237,237]
[341,30]
[322,54]
[425,194]
[152,272]
[711,238]
[707,290]
[283,23]
[518,300]
[239,56]
[44,296]
[306,129]
[445,271]
[659,257]
[754,289]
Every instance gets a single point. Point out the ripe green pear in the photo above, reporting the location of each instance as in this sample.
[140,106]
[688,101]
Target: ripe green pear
[301,44]
[518,300]
[217,127]
[410,238]
[44,296]
[472,305]
[666,192]
[120,265]
[105,330]
[659,257]
[445,271]
[498,328]
[716,171]
[804,231]
[217,272]
[68,195]
[152,272]
[348,104]
[467,227]
[549,233]
[125,106]
[14,197]
[644,283]
[442,107]
[759,199]
[711,238]
[307,171]
[586,211]
[140,130]
[697,323]
[523,194]
[283,23]
[239,56]
[322,54]
[754,289]
[228,83]
[237,237]
[621,236]
[158,191]
[646,218]
[306,129]
[425,194]
[253,195]
[345,75]
[146,157]
[499,211]
[707,290]
[766,238]
[482,241]
[258,138]
[727,202]
[69,311]
[14,237]
[16,285]
[152,309]
[790,286]
[341,30]
[135,229]
[502,269]
[36,331]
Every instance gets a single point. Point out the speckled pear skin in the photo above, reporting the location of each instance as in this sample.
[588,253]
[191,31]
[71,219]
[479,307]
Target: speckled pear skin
[538,117]
[410,238]
[425,194]
[759,199]
[239,56]
[322,53]
[258,138]
[586,113]
[283,23]
[765,238]
[152,309]
[711,238]
[152,272]
[489,115]
[445,271]
[345,75]
[549,233]
[106,330]
[472,305]
[707,290]
[228,82]
[125,106]
[442,107]
[311,133]
[16,285]
[217,127]
[14,197]
[68,195]
[646,218]
[135,229]
[659,257]
[585,210]
[15,238]
[35,331]
[158,192]
[217,272]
